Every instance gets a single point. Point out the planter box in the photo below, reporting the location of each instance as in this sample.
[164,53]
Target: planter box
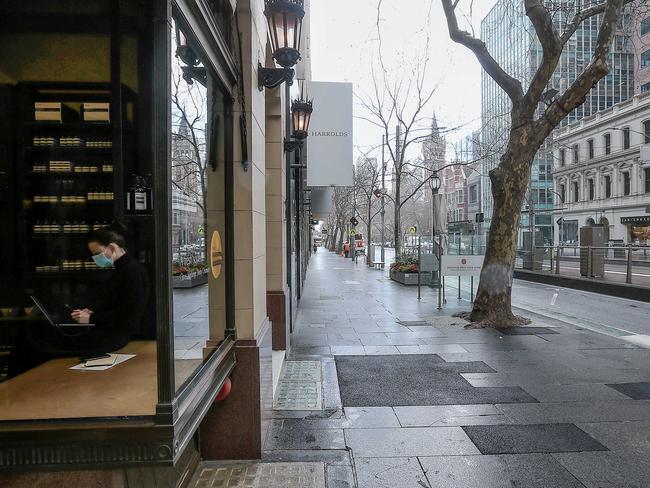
[410,278]
[189,281]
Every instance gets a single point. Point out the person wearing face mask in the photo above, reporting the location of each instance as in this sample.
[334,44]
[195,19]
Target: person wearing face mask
[116,310]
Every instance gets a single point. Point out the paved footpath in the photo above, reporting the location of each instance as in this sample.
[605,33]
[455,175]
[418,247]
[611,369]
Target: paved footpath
[405,397]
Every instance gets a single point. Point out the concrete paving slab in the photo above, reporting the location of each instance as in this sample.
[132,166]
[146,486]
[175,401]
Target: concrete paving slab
[535,438]
[337,457]
[466,472]
[403,472]
[339,477]
[348,350]
[636,391]
[428,416]
[570,412]
[381,350]
[624,437]
[417,441]
[370,418]
[290,435]
[607,469]
[574,393]
[511,331]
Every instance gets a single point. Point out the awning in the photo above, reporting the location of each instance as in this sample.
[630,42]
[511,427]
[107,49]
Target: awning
[640,220]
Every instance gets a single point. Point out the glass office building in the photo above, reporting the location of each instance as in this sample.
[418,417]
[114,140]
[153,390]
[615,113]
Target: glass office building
[512,41]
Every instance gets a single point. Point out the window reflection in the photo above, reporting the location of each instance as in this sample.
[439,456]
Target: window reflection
[197,206]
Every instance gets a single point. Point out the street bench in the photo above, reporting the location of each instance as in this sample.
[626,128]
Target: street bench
[378,264]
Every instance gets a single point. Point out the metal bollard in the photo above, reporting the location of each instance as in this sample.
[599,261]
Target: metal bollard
[628,271]
[589,262]
[557,260]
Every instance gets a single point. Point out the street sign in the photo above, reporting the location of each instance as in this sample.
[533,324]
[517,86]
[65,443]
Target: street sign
[454,265]
[353,232]
[413,230]
[354,221]
[201,231]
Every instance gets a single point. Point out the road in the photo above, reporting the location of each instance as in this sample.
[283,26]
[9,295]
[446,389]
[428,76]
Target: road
[602,313]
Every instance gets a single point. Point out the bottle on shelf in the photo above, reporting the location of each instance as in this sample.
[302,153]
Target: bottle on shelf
[140,197]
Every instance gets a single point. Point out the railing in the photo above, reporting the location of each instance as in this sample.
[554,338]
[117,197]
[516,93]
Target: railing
[629,264]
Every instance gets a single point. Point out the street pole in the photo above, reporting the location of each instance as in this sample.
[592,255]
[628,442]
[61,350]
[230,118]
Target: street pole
[383,201]
[419,265]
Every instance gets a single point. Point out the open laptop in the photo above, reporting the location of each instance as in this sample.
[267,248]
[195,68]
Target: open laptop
[48,316]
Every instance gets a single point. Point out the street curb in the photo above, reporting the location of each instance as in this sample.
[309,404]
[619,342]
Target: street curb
[622,290]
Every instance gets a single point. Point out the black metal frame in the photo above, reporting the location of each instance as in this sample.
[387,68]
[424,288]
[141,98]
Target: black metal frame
[161,438]
[273,77]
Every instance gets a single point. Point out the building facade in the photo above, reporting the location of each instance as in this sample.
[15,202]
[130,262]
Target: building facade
[511,40]
[169,89]
[602,174]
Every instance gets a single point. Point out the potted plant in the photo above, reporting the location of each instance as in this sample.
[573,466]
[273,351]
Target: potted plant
[405,271]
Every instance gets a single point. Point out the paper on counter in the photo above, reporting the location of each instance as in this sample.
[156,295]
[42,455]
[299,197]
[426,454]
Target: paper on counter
[120,359]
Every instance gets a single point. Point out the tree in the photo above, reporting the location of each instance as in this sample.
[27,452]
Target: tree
[529,128]
[398,100]
[367,177]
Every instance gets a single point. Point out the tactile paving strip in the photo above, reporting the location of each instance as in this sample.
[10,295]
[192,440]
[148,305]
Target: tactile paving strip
[260,475]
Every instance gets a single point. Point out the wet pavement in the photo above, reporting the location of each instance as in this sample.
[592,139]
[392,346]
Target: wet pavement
[411,399]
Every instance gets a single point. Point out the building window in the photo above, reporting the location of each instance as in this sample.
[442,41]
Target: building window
[608,186]
[645,26]
[473,194]
[563,193]
[626,183]
[591,189]
[626,138]
[608,143]
[562,157]
[590,145]
[576,192]
[645,87]
[646,132]
[459,196]
[576,153]
[645,59]
[646,173]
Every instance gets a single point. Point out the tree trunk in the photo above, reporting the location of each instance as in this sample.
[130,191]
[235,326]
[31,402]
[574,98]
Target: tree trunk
[369,233]
[340,246]
[492,305]
[397,229]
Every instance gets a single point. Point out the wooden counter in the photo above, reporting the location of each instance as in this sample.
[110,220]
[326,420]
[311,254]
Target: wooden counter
[53,390]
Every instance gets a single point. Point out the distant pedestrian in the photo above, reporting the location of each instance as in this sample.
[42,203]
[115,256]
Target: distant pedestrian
[346,249]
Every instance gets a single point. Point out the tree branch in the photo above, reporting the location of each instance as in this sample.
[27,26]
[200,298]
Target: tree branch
[510,85]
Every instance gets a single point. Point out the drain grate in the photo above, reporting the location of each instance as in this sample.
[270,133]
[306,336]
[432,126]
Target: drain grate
[299,387]
[260,475]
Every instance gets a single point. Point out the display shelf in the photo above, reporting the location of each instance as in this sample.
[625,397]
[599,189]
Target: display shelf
[83,125]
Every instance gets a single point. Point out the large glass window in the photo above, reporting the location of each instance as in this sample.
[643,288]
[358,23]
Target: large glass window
[198,190]
[77,276]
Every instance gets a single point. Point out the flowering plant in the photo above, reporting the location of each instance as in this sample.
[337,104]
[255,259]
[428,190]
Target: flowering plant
[405,264]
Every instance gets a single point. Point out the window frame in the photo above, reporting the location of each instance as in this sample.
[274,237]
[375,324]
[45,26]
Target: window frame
[626,137]
[590,148]
[607,143]
[627,183]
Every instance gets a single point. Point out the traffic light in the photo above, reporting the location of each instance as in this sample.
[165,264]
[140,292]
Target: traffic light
[354,221]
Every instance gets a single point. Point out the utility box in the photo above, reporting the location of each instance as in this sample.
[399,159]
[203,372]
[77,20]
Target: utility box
[533,260]
[592,261]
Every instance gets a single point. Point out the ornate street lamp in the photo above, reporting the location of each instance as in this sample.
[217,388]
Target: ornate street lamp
[284,18]
[434,183]
[185,52]
[300,115]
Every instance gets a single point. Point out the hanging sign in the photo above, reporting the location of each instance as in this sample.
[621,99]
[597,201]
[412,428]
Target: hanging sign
[413,230]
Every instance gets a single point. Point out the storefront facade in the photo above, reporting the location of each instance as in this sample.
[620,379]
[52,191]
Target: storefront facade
[142,118]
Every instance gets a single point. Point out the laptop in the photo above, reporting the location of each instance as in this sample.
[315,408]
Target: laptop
[48,316]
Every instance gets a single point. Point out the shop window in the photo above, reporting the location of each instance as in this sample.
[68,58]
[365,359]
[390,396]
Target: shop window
[591,189]
[626,138]
[607,139]
[626,183]
[576,193]
[590,145]
[608,186]
[198,189]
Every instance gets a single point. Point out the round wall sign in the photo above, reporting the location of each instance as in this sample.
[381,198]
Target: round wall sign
[216,254]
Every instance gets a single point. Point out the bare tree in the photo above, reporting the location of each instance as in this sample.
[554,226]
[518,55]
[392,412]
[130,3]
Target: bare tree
[529,128]
[366,182]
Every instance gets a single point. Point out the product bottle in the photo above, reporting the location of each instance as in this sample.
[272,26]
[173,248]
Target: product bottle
[130,195]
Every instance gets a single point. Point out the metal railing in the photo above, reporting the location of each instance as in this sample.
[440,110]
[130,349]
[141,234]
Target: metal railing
[610,263]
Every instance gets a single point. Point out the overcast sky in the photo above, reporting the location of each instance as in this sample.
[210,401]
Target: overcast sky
[344,40]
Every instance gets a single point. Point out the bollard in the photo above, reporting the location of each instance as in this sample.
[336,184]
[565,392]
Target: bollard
[471,287]
[419,267]
[557,260]
[459,287]
[589,262]
[628,271]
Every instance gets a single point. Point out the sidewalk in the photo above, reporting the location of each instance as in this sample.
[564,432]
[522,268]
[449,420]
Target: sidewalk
[408,398]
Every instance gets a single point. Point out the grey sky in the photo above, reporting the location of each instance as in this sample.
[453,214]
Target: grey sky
[344,40]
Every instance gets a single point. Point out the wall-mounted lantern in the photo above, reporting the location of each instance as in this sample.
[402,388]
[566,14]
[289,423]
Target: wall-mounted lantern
[184,51]
[300,115]
[284,19]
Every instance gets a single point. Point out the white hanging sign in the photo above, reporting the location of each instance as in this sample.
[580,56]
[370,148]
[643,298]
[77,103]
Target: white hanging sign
[454,265]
